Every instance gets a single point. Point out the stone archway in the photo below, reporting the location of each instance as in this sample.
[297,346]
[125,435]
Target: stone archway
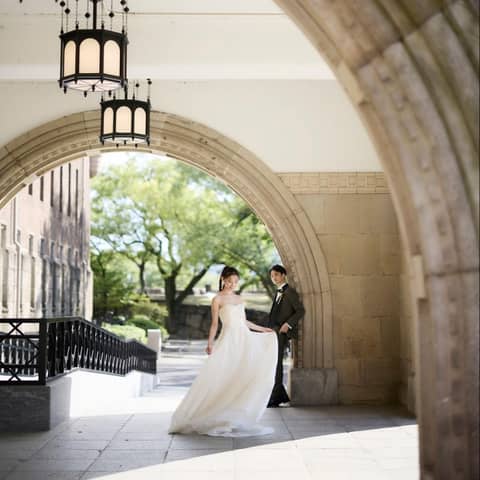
[57,142]
[411,70]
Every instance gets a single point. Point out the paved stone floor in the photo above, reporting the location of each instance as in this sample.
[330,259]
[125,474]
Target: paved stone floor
[129,440]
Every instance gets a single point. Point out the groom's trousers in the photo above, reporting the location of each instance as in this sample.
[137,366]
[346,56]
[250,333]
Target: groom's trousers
[279,394]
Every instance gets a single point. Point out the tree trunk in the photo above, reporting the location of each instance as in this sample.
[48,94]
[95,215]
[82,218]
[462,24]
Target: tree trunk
[141,277]
[189,288]
[173,301]
[268,285]
[170,293]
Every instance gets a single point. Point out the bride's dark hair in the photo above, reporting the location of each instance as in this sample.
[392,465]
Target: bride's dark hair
[226,272]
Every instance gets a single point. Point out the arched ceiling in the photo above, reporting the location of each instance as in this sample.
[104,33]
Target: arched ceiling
[239,66]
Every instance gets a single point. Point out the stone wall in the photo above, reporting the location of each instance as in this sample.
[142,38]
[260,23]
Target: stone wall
[356,226]
[193,321]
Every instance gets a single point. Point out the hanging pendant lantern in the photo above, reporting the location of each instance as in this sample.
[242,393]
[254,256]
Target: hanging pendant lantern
[126,121]
[93,59]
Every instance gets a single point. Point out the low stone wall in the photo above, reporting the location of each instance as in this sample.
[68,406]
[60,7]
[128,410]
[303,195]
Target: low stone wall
[30,408]
[193,321]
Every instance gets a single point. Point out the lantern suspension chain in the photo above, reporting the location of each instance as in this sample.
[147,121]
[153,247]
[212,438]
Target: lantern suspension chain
[102,15]
[149,83]
[111,14]
[87,14]
[67,15]
[95,4]
[76,15]
[125,11]
[62,4]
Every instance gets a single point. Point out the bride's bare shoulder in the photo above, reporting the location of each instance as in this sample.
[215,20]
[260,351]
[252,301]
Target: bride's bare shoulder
[217,300]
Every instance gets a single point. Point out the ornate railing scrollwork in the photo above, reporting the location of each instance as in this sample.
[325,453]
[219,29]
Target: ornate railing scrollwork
[34,351]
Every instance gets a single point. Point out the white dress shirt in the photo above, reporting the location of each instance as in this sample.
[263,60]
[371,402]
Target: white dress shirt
[279,294]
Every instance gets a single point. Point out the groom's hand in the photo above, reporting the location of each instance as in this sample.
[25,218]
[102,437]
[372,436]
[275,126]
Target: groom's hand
[284,328]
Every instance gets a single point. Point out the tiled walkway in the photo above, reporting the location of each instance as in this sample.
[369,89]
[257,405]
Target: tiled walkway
[130,441]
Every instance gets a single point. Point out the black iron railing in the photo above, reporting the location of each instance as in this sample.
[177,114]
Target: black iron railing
[33,351]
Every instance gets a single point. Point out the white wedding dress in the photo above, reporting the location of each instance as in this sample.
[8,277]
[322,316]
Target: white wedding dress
[232,390]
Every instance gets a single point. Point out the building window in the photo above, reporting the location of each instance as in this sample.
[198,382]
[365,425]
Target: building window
[71,289]
[53,274]
[30,189]
[77,293]
[32,273]
[52,188]
[62,289]
[42,186]
[61,274]
[20,274]
[44,276]
[5,266]
[32,283]
[60,199]
[20,279]
[53,277]
[76,194]
[69,204]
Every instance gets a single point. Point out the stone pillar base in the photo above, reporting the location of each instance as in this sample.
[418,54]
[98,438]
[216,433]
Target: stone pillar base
[313,386]
[154,341]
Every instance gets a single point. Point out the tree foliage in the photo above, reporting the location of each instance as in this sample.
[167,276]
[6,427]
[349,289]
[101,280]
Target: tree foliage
[164,213]
[114,287]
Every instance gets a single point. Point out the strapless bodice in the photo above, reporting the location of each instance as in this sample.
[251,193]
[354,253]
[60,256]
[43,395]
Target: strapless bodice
[232,313]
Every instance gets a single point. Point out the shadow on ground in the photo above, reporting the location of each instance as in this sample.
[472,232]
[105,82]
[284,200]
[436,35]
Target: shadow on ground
[309,443]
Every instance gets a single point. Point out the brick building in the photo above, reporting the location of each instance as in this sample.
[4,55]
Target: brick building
[44,245]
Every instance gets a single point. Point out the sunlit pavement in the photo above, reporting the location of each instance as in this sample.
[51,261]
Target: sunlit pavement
[130,441]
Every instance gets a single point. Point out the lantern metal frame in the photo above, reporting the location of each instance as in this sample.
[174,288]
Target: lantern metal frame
[123,137]
[99,80]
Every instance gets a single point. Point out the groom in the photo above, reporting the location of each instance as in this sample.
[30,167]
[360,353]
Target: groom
[287,309]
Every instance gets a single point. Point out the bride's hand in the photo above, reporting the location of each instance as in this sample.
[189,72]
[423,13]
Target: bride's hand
[209,349]
[267,330]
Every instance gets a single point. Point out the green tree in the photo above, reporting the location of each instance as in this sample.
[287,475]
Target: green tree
[113,287]
[182,221]
[250,247]
[117,222]
[154,213]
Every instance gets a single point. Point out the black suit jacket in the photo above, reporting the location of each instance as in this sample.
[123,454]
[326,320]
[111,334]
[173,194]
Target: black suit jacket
[289,309]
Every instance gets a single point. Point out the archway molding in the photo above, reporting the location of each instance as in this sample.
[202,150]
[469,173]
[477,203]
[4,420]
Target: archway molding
[34,153]
[411,70]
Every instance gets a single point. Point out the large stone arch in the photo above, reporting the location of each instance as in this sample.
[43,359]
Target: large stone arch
[57,142]
[411,69]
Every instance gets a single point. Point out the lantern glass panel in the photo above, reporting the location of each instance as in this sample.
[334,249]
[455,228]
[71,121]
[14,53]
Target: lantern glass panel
[69,58]
[140,121]
[111,59]
[124,120]
[89,56]
[108,121]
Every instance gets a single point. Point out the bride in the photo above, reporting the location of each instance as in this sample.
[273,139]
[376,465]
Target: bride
[231,392]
